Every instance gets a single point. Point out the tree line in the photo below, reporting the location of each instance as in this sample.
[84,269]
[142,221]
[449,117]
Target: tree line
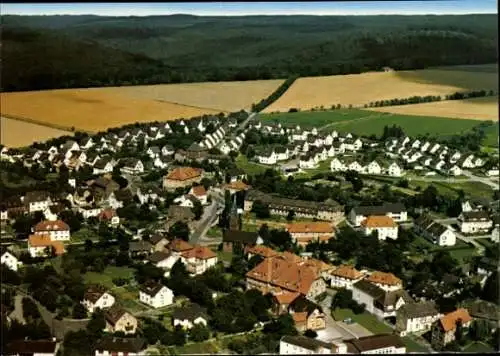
[264,103]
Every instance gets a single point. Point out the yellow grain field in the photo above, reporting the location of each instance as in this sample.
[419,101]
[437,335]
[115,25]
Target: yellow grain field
[16,133]
[472,109]
[360,89]
[91,110]
[222,96]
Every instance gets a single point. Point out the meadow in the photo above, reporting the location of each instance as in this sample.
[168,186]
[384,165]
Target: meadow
[17,133]
[364,122]
[359,89]
[221,96]
[473,109]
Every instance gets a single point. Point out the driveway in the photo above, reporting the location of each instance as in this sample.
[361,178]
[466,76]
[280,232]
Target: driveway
[483,180]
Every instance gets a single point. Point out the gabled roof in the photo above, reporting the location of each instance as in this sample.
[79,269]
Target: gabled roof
[306,342]
[47,225]
[348,272]
[471,216]
[184,173]
[310,227]
[303,305]
[94,292]
[261,250]
[190,312]
[245,237]
[374,342]
[448,322]
[199,190]
[158,256]
[157,238]
[139,246]
[419,310]
[379,209]
[285,297]
[179,245]
[113,314]
[199,252]
[151,288]
[374,221]
[384,278]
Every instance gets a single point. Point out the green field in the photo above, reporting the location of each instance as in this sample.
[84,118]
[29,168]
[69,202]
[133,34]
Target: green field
[363,122]
[491,138]
[368,321]
[202,348]
[106,277]
[249,167]
[412,345]
[478,347]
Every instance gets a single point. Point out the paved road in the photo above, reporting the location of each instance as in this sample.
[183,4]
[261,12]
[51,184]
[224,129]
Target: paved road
[208,217]
[484,180]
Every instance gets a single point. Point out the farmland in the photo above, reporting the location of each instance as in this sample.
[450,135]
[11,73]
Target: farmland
[16,133]
[91,109]
[474,109]
[363,122]
[359,89]
[220,96]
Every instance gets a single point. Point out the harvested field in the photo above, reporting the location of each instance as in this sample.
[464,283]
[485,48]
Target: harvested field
[91,109]
[360,89]
[221,96]
[472,109]
[16,133]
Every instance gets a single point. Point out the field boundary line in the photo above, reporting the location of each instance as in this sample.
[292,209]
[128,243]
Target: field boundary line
[42,123]
[191,106]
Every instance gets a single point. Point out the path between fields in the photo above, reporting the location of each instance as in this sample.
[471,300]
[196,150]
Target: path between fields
[348,121]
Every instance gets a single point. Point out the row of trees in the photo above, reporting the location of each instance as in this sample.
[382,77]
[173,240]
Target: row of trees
[264,103]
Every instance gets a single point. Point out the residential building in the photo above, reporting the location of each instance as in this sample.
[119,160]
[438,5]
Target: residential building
[436,232]
[394,170]
[36,201]
[306,314]
[337,166]
[140,248]
[182,177]
[120,346]
[163,259]
[382,224]
[396,211]
[198,259]
[159,242]
[474,222]
[267,156]
[416,317]
[96,297]
[189,315]
[379,302]
[304,232]
[373,168]
[281,302]
[385,280]
[282,273]
[156,295]
[303,345]
[109,216]
[42,245]
[376,344]
[58,230]
[10,259]
[132,166]
[200,193]
[31,347]
[118,319]
[345,276]
[443,330]
[243,238]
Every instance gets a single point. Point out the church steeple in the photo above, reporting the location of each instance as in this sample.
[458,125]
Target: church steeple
[234,219]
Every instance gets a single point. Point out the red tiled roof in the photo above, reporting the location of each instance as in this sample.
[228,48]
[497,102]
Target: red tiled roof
[346,271]
[384,278]
[448,322]
[184,173]
[199,252]
[179,245]
[46,225]
[199,191]
[310,227]
[374,221]
[45,241]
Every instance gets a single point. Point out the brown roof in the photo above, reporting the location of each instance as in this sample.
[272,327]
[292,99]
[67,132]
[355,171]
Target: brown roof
[286,297]
[46,225]
[374,221]
[199,252]
[448,322]
[261,250]
[93,293]
[151,288]
[107,214]
[237,185]
[179,245]
[114,314]
[199,190]
[310,227]
[375,342]
[346,271]
[300,317]
[384,278]
[184,173]
[44,241]
[284,273]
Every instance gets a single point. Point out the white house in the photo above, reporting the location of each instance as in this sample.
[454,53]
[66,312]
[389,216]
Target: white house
[89,211]
[337,166]
[396,211]
[455,156]
[416,144]
[438,233]
[373,168]
[200,193]
[198,259]
[454,170]
[474,222]
[132,166]
[156,295]
[190,315]
[10,260]
[355,166]
[153,152]
[49,214]
[303,345]
[104,165]
[493,172]
[121,346]
[394,170]
[307,162]
[186,200]
[434,148]
[345,276]
[384,225]
[97,297]
[416,317]
[167,150]
[58,230]
[268,157]
[425,146]
[37,201]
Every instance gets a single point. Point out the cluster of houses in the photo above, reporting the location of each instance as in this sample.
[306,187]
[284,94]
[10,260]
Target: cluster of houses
[427,155]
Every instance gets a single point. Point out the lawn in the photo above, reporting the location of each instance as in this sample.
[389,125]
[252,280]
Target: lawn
[106,277]
[486,242]
[364,122]
[310,119]
[224,256]
[413,346]
[491,138]
[368,321]
[83,234]
[201,348]
[249,167]
[478,347]
[214,232]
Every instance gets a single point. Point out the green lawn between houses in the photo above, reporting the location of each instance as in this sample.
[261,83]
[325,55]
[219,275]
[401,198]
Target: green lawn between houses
[413,346]
[106,277]
[249,167]
[478,347]
[364,122]
[368,321]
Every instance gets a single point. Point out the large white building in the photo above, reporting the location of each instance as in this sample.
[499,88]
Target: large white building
[58,230]
[383,225]
[438,233]
[416,317]
[396,211]
[345,276]
[473,222]
[9,259]
[156,295]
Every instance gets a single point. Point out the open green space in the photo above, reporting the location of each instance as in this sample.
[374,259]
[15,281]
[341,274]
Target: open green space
[364,122]
[106,277]
[214,232]
[486,242]
[478,347]
[368,321]
[200,348]
[491,138]
[413,346]
[249,167]
[224,256]
[84,234]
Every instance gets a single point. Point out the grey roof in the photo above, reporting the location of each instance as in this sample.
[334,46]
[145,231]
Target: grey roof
[369,288]
[306,342]
[246,237]
[424,221]
[140,246]
[302,304]
[196,147]
[157,238]
[418,310]
[176,212]
[436,229]
[151,288]
[475,216]
[189,312]
[36,196]
[67,145]
[374,342]
[158,256]
[154,149]
[379,209]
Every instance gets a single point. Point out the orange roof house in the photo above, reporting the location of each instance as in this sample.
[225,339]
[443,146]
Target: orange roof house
[318,227]
[199,253]
[347,272]
[384,278]
[261,250]
[199,191]
[47,225]
[375,221]
[179,245]
[184,173]
[449,321]
[237,186]
[43,241]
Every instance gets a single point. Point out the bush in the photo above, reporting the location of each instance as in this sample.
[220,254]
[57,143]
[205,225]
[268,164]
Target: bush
[311,333]
[120,281]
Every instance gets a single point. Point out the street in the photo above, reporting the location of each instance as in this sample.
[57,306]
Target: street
[209,215]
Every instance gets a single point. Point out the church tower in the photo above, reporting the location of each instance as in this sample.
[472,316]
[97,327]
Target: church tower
[234,218]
